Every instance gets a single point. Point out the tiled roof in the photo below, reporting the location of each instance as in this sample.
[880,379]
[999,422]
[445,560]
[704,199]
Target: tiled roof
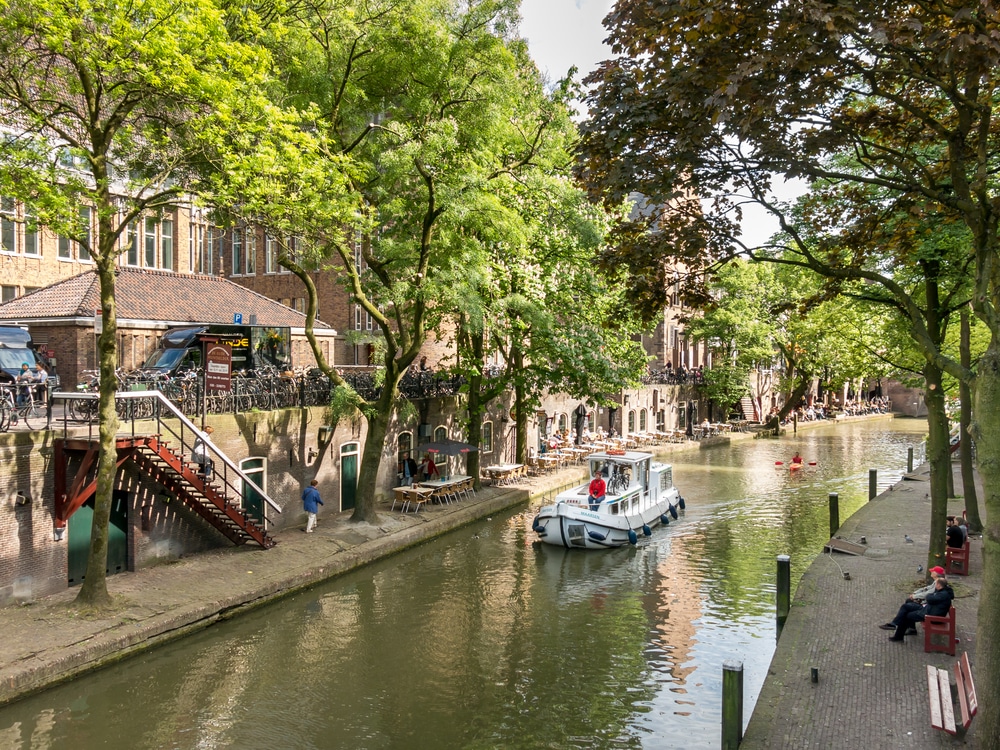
[154,295]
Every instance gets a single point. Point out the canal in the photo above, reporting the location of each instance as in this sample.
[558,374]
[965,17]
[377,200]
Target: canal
[482,639]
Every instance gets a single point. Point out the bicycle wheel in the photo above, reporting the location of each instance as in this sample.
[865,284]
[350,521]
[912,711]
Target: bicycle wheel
[32,415]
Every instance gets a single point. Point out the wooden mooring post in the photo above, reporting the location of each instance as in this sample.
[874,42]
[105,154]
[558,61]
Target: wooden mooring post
[909,460]
[872,483]
[783,595]
[834,513]
[732,704]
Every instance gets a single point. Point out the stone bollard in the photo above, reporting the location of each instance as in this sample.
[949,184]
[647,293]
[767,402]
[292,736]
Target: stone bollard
[732,704]
[834,513]
[783,595]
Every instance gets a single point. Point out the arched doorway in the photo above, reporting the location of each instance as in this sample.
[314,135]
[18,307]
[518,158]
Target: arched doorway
[348,475]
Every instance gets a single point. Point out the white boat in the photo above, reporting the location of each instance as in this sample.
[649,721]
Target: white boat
[640,494]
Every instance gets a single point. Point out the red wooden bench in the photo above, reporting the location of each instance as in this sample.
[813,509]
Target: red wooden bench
[942,628]
[941,705]
[956,560]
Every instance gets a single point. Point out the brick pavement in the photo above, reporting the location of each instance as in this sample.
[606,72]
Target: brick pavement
[871,692]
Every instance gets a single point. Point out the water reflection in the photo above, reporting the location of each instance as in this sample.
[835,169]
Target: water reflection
[483,640]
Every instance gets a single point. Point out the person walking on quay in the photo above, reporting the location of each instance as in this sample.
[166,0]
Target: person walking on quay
[199,454]
[311,503]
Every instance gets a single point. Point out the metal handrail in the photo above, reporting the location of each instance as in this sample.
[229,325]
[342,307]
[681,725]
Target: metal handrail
[185,422]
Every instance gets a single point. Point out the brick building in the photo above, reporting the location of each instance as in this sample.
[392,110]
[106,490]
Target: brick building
[63,317]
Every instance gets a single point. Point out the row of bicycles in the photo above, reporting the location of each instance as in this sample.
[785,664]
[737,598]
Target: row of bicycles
[264,390]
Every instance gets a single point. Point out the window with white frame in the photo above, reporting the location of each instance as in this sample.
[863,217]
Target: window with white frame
[167,244]
[149,242]
[251,253]
[132,244]
[642,420]
[196,246]
[237,267]
[8,225]
[631,421]
[487,440]
[270,254]
[31,246]
[440,434]
[213,249]
[66,247]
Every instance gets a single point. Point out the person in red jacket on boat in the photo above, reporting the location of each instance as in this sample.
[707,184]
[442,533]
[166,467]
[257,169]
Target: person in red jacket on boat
[797,459]
[597,490]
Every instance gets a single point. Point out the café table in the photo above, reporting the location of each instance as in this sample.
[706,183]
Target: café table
[504,473]
[447,486]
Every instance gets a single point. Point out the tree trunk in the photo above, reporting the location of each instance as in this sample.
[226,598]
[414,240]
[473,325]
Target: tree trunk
[520,410]
[939,457]
[985,431]
[371,460]
[475,430]
[965,420]
[94,591]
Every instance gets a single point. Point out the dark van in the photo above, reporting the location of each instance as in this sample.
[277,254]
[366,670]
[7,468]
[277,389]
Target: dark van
[16,348]
[180,349]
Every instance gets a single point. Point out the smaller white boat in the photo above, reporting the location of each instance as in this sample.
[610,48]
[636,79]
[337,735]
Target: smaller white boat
[640,495]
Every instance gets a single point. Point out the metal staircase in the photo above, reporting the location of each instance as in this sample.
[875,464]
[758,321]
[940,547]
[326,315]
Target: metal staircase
[218,500]
[205,498]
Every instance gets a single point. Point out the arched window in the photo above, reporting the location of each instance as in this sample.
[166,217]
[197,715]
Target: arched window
[440,433]
[642,420]
[592,419]
[631,420]
[563,422]
[487,440]
[404,445]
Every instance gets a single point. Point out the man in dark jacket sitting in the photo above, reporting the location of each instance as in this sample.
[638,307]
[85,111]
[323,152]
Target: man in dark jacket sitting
[936,604]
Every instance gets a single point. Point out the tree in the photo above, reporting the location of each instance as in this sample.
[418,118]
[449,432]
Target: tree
[424,106]
[111,112]
[713,99]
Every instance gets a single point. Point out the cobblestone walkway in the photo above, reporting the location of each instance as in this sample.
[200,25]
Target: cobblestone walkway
[871,693]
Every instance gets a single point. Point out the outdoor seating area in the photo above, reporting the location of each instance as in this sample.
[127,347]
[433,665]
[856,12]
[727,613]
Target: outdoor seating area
[503,474]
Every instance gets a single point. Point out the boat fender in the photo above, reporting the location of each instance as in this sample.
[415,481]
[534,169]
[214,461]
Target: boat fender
[673,511]
[535,526]
[632,537]
[665,519]
[680,502]
[646,531]
[597,537]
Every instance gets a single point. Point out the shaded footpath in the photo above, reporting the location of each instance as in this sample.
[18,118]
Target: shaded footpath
[871,692]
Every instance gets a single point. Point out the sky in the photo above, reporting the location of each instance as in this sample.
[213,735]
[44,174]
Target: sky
[563,33]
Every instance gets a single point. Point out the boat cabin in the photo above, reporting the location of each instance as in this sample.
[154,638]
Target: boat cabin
[632,480]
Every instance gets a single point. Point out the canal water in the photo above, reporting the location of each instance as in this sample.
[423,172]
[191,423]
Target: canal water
[483,639]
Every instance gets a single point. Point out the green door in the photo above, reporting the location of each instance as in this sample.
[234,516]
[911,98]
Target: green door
[253,502]
[78,547]
[348,480]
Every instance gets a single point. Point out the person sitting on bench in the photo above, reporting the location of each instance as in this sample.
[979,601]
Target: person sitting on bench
[936,604]
[917,597]
[597,491]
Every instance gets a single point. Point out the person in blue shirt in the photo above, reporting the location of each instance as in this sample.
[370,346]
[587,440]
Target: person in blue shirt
[311,503]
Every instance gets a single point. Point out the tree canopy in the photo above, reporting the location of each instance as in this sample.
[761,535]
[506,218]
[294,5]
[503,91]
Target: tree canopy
[717,100]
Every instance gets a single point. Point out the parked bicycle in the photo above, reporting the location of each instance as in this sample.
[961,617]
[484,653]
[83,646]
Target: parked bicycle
[17,405]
